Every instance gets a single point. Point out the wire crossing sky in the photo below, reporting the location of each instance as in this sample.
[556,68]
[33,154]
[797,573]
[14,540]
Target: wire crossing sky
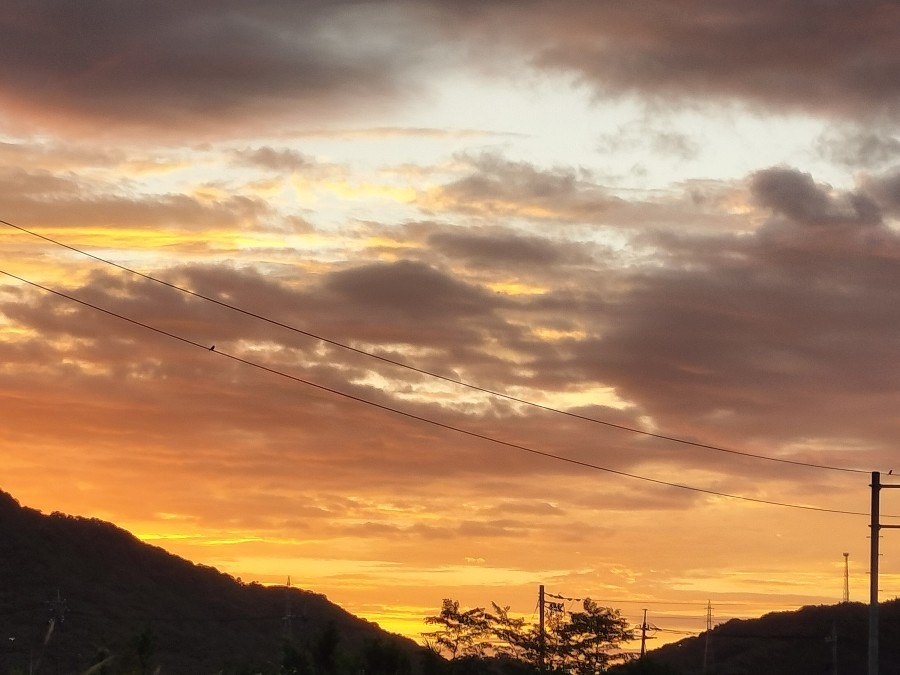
[425,372]
[427,420]
[664,247]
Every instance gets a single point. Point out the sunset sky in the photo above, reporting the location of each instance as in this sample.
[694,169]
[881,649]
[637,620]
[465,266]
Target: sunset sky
[433,229]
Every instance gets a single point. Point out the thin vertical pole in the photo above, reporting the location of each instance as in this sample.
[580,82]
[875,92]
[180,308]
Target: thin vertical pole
[644,635]
[846,597]
[708,631]
[873,576]
[542,634]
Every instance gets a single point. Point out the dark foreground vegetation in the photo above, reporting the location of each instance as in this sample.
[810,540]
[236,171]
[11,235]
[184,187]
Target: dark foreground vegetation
[571,643]
[820,640]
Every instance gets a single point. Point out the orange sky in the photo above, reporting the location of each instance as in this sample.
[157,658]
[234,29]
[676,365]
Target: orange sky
[681,225]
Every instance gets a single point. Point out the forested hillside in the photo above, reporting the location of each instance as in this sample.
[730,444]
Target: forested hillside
[820,640]
[77,592]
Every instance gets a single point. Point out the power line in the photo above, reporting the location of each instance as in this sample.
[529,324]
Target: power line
[422,371]
[654,601]
[420,418]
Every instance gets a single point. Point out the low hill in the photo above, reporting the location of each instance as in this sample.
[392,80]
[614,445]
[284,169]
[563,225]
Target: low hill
[801,642]
[77,592]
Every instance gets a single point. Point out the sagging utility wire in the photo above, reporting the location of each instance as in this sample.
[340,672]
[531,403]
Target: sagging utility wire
[416,417]
[429,373]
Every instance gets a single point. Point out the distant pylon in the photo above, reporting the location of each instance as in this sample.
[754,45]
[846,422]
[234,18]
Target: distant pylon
[846,577]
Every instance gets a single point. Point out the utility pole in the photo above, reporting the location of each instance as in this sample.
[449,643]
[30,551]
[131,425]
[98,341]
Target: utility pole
[708,632]
[644,634]
[846,577]
[542,635]
[876,527]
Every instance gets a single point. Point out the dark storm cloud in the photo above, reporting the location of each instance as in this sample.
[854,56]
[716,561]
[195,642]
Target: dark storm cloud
[823,55]
[204,66]
[200,64]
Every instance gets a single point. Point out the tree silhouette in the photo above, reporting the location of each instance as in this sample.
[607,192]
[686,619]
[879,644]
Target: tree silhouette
[589,640]
[462,634]
[580,643]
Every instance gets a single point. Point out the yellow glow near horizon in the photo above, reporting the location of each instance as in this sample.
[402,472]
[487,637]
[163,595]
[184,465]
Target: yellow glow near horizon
[515,288]
[555,335]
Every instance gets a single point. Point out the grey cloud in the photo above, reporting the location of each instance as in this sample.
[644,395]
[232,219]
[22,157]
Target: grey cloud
[201,64]
[205,66]
[409,289]
[768,336]
[498,249]
[830,57]
[860,148]
[284,160]
[679,145]
[640,134]
[796,195]
[163,389]
[495,185]
[783,334]
[886,188]
[44,198]
[499,176]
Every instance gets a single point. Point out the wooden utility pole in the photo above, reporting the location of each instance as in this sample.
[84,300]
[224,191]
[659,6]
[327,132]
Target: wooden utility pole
[644,635]
[846,597]
[542,635]
[873,575]
[873,570]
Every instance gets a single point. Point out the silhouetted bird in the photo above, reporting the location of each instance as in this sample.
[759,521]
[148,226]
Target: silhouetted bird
[213,348]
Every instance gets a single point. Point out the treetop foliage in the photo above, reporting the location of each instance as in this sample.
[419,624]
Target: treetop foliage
[585,642]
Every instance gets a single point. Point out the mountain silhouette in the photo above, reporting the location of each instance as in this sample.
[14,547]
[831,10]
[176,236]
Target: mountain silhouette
[80,595]
[813,640]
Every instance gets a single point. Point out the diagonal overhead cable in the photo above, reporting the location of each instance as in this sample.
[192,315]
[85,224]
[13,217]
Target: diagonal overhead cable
[429,373]
[421,418]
